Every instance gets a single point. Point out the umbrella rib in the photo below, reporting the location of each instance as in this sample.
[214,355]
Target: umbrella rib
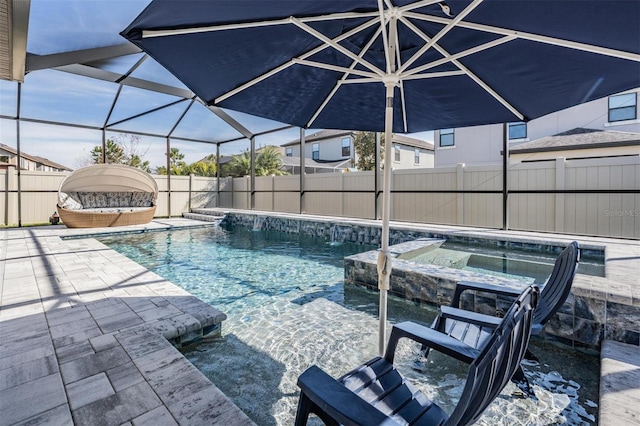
[257,24]
[328,98]
[448,27]
[335,45]
[385,36]
[212,28]
[458,55]
[404,107]
[532,37]
[253,82]
[434,75]
[289,63]
[417,5]
[454,60]
[403,103]
[482,84]
[330,67]
[406,78]
[358,81]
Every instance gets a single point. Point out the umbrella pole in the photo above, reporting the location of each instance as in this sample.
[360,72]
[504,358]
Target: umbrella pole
[384,260]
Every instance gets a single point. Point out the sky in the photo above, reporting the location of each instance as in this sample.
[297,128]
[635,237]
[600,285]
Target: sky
[61,25]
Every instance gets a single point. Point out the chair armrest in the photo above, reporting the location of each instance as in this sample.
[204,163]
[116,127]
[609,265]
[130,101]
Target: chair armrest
[432,339]
[478,286]
[483,320]
[338,402]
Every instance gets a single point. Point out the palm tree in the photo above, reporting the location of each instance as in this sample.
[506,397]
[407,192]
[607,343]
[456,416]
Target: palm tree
[240,165]
[203,168]
[268,162]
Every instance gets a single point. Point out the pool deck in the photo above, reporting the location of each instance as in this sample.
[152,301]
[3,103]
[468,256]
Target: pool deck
[85,337]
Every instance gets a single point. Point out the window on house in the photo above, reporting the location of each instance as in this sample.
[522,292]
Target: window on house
[346,147]
[315,151]
[416,156]
[396,153]
[288,152]
[446,137]
[517,130]
[4,158]
[623,107]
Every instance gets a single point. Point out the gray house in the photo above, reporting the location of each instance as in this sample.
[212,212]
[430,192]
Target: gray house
[9,157]
[335,149]
[483,144]
[578,143]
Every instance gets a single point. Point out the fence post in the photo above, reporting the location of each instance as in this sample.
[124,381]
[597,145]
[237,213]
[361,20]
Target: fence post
[217,175]
[460,187]
[190,188]
[505,176]
[12,196]
[303,170]
[559,199]
[5,213]
[376,178]
[168,177]
[232,192]
[252,180]
[249,193]
[342,212]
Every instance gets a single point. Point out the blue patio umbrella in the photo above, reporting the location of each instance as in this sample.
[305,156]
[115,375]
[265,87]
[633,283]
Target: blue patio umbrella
[395,65]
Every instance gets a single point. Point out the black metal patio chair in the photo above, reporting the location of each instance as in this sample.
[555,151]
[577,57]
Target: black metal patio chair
[463,325]
[376,394]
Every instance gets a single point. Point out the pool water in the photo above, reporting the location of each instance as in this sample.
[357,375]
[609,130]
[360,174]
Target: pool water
[288,308]
[521,265]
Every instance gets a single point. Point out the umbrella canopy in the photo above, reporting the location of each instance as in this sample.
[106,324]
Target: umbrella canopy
[395,65]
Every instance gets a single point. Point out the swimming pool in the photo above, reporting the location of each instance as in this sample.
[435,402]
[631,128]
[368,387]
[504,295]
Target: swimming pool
[288,308]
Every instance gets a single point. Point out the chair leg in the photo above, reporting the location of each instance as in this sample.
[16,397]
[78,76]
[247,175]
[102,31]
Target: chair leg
[530,356]
[419,364]
[521,381]
[306,407]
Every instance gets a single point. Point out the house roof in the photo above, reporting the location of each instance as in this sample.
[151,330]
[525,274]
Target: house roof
[35,158]
[397,138]
[322,134]
[293,162]
[578,138]
[14,16]
[308,162]
[413,142]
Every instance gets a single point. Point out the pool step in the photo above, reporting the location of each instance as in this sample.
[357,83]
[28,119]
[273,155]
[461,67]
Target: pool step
[203,217]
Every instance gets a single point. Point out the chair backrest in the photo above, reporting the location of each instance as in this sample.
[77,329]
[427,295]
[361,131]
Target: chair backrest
[490,372]
[558,286]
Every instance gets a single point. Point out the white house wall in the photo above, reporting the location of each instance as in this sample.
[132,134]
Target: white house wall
[473,145]
[330,149]
[407,158]
[483,144]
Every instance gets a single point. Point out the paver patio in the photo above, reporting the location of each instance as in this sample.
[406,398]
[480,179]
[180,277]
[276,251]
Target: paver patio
[87,337]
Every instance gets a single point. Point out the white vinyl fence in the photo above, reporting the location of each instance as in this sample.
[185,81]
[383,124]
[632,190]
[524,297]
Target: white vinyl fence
[586,197]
